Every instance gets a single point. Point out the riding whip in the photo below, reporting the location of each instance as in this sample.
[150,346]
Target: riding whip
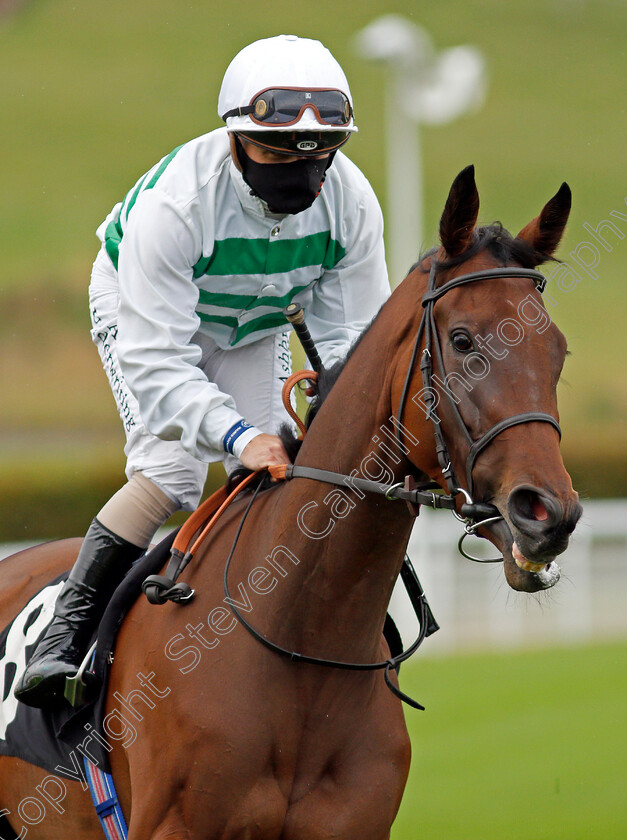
[295,314]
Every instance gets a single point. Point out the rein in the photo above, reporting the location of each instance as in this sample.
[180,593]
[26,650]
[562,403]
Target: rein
[414,496]
[473,513]
[427,622]
[162,588]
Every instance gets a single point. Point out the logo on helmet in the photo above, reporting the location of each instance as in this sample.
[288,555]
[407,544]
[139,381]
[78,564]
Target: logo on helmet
[307,145]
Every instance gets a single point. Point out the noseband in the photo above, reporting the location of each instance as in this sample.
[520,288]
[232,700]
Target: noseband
[432,348]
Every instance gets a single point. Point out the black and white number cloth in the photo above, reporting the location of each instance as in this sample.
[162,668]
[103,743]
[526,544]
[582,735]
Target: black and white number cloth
[57,740]
[30,734]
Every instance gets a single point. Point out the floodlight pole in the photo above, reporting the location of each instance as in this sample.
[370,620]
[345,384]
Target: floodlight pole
[422,87]
[404,187]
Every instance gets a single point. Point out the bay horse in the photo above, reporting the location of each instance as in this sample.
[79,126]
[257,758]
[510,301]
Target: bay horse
[214,736]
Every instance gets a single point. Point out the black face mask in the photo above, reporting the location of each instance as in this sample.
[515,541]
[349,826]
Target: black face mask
[285,187]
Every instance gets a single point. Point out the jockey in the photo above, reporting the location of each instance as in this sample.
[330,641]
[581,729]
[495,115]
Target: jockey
[187,293]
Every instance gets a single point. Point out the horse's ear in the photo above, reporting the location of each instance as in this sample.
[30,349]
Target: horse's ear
[460,213]
[545,231]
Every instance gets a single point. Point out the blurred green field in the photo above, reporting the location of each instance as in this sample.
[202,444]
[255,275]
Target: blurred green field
[93,94]
[523,746]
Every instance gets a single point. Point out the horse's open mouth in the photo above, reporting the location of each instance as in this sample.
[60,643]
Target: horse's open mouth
[529,576]
[523,574]
[524,564]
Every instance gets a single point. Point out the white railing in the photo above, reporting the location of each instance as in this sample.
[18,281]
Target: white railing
[476,609]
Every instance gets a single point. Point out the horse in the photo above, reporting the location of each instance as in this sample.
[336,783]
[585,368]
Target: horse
[215,736]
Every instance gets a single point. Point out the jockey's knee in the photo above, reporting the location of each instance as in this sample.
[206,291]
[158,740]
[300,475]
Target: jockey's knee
[168,466]
[137,510]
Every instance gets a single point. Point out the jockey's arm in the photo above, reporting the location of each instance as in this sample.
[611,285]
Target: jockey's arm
[348,296]
[157,324]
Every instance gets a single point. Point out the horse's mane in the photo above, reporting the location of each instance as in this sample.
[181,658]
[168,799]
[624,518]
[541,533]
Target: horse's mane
[493,238]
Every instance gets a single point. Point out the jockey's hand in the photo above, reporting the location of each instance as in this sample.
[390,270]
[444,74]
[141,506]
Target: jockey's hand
[264,451]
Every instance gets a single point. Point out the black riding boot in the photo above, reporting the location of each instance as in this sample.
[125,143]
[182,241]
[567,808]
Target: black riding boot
[102,562]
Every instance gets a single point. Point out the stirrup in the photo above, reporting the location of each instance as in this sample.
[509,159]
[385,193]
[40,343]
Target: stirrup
[77,691]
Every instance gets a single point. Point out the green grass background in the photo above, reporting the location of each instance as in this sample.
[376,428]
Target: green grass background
[93,93]
[522,746]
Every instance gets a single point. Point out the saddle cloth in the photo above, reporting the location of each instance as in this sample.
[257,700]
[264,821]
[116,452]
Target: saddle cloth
[58,740]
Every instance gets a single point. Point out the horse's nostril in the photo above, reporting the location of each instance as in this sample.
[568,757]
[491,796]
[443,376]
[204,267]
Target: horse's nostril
[538,509]
[531,509]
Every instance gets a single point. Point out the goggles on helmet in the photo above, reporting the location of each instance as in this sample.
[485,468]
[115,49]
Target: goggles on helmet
[285,106]
[301,143]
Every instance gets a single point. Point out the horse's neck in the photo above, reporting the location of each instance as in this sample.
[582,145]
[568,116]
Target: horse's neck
[350,545]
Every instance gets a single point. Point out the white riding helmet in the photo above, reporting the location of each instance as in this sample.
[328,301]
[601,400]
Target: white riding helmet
[300,74]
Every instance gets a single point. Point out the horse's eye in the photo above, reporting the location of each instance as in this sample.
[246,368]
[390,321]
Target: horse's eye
[461,341]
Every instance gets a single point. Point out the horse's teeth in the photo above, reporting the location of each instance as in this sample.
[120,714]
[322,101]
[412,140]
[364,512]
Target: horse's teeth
[523,563]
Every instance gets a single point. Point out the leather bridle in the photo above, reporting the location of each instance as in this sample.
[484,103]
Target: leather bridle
[473,513]
[432,349]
